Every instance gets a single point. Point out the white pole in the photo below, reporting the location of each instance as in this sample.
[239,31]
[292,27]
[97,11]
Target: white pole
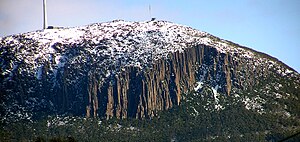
[45,14]
[150,11]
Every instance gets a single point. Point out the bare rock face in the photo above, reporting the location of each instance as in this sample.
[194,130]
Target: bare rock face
[121,69]
[142,93]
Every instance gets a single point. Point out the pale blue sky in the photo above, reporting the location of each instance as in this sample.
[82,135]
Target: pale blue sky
[269,26]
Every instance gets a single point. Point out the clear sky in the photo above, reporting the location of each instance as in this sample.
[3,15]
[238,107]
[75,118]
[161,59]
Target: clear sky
[269,26]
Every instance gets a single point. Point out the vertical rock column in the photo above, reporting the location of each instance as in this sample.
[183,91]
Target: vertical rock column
[227,74]
[93,98]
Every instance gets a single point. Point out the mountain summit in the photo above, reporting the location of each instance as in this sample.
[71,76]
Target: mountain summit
[136,70]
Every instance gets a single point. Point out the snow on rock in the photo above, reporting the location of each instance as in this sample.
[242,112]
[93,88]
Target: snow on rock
[254,103]
[127,43]
[217,106]
[199,85]
[118,43]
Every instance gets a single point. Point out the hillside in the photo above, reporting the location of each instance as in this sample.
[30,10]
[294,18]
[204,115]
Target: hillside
[178,82]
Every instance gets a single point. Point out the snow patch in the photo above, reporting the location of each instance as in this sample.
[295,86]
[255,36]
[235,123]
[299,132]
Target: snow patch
[199,86]
[254,104]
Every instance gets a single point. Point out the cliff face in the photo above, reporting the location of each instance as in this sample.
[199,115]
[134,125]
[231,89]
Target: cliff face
[141,93]
[122,70]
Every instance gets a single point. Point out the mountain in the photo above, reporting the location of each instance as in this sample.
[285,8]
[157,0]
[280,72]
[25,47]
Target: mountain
[153,70]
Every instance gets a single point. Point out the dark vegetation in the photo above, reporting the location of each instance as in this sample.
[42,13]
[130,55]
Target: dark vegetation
[234,123]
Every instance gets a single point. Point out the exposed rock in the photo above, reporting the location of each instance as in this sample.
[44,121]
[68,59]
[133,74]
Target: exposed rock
[142,93]
[122,69]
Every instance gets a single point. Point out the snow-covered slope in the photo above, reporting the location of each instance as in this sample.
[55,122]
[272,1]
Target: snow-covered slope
[69,67]
[134,41]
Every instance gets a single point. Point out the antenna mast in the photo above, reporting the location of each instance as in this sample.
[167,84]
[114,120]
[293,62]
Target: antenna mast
[150,11]
[45,14]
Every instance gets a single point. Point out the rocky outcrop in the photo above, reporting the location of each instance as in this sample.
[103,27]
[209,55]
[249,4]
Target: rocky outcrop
[141,93]
[121,69]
